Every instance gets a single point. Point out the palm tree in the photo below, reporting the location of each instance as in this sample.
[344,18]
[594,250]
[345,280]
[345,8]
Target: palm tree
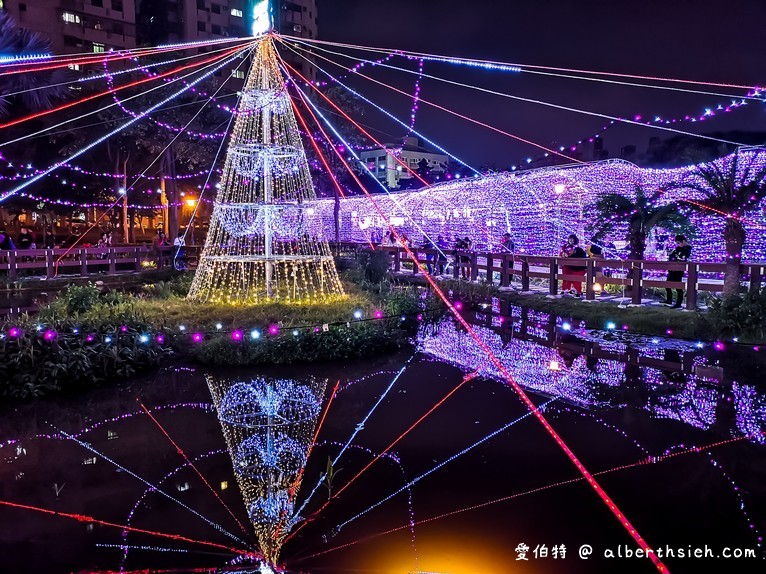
[643,213]
[37,90]
[730,187]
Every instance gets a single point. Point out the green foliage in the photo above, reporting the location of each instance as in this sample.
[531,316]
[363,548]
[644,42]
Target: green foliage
[643,212]
[176,287]
[31,366]
[742,316]
[338,343]
[79,298]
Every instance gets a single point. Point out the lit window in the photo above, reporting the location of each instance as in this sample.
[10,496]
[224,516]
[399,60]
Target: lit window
[70,18]
[91,460]
[224,484]
[237,13]
[239,74]
[111,435]
[98,48]
[75,67]
[184,486]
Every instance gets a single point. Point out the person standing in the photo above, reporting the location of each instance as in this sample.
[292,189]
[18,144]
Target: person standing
[682,252]
[506,244]
[50,240]
[572,249]
[441,245]
[25,239]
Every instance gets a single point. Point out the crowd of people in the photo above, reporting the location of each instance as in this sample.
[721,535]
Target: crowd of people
[27,239]
[461,250]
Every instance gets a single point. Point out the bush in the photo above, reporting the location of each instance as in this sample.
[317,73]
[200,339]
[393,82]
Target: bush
[742,316]
[357,340]
[79,298]
[78,357]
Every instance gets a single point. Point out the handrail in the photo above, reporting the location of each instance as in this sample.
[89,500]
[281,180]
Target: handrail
[633,274]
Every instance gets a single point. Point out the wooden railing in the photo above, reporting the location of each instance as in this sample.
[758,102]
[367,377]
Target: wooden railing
[634,275]
[84,262]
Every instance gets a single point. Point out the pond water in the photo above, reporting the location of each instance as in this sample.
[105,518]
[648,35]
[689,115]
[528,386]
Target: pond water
[672,431]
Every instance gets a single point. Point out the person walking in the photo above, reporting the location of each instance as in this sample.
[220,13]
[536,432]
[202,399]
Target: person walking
[572,249]
[682,252]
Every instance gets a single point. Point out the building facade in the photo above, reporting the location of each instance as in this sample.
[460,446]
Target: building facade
[77,26]
[390,172]
[297,18]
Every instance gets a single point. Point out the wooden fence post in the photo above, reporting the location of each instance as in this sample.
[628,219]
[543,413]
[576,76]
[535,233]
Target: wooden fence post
[525,274]
[474,266]
[414,261]
[755,278]
[13,272]
[49,264]
[83,262]
[490,269]
[112,261]
[397,260]
[636,275]
[590,278]
[553,277]
[691,286]
[137,255]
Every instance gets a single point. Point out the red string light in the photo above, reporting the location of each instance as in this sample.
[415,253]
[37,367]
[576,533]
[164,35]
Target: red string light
[516,387]
[86,518]
[180,451]
[117,89]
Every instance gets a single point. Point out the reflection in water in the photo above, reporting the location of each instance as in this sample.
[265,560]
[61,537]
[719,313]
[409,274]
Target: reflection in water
[639,412]
[269,428]
[602,370]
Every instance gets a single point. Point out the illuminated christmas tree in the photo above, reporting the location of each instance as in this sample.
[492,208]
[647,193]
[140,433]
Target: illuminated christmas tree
[269,427]
[259,247]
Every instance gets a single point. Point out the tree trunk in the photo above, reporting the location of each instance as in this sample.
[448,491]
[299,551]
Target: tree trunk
[637,243]
[132,224]
[171,191]
[734,239]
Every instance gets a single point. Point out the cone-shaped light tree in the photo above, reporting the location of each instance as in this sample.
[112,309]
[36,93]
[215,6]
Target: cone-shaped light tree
[259,247]
[268,426]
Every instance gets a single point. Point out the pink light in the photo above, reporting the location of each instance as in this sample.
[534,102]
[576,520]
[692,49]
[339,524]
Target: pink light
[624,327]
[274,330]
[198,337]
[160,338]
[378,314]
[49,335]
[718,346]
[669,331]
[124,329]
[236,335]
[14,332]
[90,338]
[458,305]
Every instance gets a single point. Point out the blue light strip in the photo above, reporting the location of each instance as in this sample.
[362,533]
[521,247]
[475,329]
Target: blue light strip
[364,166]
[357,429]
[493,434]
[156,489]
[102,139]
[390,115]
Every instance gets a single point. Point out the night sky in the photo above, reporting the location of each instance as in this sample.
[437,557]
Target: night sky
[691,39]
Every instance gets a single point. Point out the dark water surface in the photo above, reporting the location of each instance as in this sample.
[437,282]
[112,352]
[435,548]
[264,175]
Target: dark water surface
[633,409]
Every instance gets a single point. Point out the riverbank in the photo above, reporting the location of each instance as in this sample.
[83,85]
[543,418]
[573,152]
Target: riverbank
[647,320]
[91,335]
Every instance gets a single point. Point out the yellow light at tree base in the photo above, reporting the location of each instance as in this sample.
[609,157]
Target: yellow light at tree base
[260,247]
